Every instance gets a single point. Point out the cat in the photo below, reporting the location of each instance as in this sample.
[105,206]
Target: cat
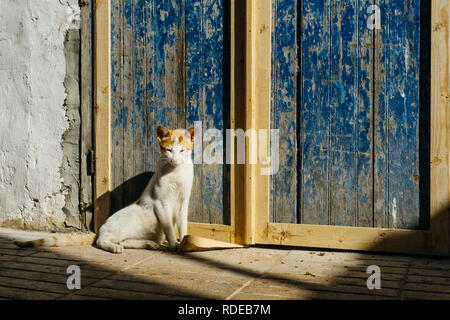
[151,220]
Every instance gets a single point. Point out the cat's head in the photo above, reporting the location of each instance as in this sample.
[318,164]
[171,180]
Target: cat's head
[176,145]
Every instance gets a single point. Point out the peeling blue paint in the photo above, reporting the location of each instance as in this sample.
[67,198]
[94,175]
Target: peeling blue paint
[167,68]
[357,131]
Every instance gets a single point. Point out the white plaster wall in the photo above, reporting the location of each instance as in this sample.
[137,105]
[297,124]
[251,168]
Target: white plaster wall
[32,112]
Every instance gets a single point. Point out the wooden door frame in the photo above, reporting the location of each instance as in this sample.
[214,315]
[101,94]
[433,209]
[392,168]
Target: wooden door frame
[102,111]
[258,229]
[102,130]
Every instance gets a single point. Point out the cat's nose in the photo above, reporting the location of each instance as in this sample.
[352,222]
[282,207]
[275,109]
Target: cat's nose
[175,161]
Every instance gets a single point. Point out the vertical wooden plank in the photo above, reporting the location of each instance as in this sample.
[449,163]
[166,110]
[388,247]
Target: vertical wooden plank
[424,114]
[440,129]
[448,127]
[399,97]
[152,93]
[239,88]
[193,58]
[129,96]
[164,95]
[204,97]
[138,123]
[86,186]
[102,112]
[343,97]
[381,203]
[228,106]
[258,97]
[165,23]
[117,102]
[410,217]
[261,110]
[180,56]
[365,130]
[150,89]
[232,123]
[350,126]
[250,114]
[315,113]
[213,105]
[283,198]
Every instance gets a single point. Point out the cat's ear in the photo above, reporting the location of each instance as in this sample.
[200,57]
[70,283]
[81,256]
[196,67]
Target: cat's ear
[190,133]
[162,132]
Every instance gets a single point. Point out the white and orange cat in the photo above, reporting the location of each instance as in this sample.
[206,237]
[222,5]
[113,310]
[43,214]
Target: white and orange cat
[151,220]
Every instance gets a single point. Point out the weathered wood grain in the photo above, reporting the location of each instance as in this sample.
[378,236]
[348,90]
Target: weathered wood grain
[397,71]
[365,128]
[342,117]
[193,93]
[346,100]
[440,128]
[350,127]
[204,36]
[168,68]
[315,112]
[138,122]
[86,60]
[117,74]
[102,112]
[213,105]
[345,237]
[283,189]
[238,121]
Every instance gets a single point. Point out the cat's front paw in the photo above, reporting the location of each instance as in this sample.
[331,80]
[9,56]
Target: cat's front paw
[174,247]
[153,245]
[117,249]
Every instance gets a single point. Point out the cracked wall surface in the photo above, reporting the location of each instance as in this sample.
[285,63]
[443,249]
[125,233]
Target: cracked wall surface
[39,123]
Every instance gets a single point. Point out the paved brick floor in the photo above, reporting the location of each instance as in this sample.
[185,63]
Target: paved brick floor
[250,273]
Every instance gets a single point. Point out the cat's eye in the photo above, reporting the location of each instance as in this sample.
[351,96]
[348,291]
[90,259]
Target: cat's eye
[170,150]
[181,150]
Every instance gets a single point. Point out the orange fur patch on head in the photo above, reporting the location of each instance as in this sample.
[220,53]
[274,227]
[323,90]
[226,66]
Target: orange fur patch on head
[191,132]
[170,137]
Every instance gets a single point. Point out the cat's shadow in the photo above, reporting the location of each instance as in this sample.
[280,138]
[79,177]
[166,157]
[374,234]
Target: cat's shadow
[129,191]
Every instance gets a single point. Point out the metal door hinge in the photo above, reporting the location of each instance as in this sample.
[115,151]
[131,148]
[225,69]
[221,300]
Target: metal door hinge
[86,206]
[90,163]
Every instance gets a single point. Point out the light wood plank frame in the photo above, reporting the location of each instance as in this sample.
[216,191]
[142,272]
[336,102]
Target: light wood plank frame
[102,111]
[102,128]
[258,228]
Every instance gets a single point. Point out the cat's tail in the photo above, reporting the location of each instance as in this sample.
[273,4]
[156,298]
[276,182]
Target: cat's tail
[76,239]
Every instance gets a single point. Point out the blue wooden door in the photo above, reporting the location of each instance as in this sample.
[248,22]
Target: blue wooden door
[351,105]
[169,67]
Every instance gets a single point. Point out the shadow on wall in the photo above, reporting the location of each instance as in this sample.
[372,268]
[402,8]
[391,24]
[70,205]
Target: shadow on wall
[129,191]
[123,195]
